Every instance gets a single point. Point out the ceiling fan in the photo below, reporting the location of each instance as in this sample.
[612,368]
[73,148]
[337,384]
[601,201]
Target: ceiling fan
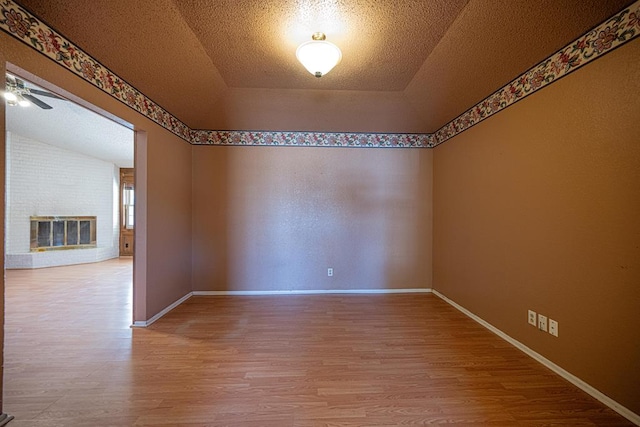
[17,93]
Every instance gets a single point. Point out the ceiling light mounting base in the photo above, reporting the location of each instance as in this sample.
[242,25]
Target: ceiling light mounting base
[318,36]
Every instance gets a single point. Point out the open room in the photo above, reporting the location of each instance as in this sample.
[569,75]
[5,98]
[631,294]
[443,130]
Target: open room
[437,225]
[68,234]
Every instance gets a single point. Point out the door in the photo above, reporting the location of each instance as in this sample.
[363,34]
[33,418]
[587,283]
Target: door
[127,199]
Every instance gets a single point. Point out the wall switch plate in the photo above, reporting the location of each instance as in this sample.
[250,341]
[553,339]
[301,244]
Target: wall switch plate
[553,327]
[329,271]
[542,322]
[532,318]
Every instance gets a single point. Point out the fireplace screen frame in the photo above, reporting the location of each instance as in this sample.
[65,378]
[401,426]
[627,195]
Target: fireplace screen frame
[50,233]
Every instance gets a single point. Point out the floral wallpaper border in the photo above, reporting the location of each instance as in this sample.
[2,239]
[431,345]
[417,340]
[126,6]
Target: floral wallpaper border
[21,24]
[614,32]
[313,139]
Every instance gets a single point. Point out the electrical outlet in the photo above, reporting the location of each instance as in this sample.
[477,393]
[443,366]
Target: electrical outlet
[532,317]
[542,322]
[553,327]
[330,272]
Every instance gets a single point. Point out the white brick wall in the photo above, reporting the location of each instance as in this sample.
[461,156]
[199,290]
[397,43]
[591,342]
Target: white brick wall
[43,180]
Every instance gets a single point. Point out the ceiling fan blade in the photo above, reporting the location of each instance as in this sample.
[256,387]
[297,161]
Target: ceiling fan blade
[44,93]
[36,101]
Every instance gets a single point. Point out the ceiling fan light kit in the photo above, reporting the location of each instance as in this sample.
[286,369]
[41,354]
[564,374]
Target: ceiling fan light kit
[318,55]
[16,93]
[15,99]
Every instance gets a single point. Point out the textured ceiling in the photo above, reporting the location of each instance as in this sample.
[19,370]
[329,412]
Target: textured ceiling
[491,43]
[384,42]
[408,66]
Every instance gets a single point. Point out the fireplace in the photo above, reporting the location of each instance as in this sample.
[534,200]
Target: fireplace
[62,232]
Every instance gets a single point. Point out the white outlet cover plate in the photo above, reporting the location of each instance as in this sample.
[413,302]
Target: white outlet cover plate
[542,322]
[553,327]
[532,317]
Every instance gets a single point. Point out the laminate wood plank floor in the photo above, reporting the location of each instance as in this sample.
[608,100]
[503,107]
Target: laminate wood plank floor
[71,359]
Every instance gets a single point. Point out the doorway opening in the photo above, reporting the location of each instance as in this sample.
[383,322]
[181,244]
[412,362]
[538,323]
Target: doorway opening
[63,166]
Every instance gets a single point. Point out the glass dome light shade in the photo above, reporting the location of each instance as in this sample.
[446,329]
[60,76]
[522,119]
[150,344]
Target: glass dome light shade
[318,56]
[10,96]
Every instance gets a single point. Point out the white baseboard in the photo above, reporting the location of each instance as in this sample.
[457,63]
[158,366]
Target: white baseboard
[5,418]
[145,323]
[313,292]
[627,413]
[593,392]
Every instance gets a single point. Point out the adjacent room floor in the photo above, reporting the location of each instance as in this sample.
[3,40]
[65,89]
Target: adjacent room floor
[71,359]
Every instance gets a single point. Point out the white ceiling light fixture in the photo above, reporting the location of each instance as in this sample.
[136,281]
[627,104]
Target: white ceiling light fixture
[23,102]
[318,55]
[11,97]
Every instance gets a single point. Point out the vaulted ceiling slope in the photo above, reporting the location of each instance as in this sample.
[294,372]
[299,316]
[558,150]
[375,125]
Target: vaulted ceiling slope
[408,66]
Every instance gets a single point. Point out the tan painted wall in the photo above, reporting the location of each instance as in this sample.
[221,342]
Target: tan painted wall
[275,218]
[167,253]
[538,208]
[315,110]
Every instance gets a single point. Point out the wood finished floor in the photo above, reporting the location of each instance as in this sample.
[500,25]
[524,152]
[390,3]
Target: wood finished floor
[379,360]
